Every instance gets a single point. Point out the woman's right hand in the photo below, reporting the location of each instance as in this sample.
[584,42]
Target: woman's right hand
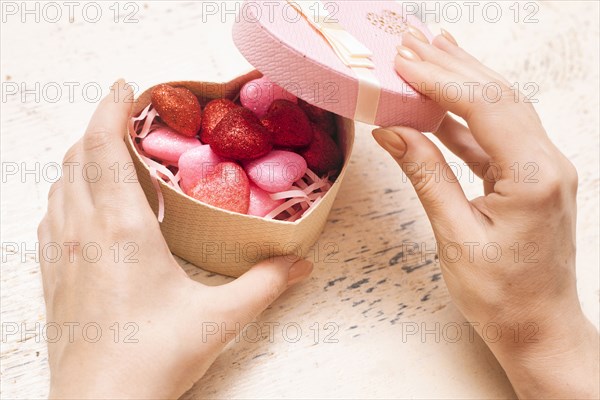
[508,257]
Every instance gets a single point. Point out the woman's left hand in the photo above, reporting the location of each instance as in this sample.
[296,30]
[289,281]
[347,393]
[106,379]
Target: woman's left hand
[133,324]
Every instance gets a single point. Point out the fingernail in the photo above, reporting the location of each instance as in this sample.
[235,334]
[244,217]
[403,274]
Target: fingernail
[407,53]
[118,83]
[448,36]
[390,141]
[417,34]
[300,270]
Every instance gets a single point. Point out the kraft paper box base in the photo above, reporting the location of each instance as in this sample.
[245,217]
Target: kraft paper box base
[221,241]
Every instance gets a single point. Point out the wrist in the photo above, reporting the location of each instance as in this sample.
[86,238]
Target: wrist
[561,362]
[99,380]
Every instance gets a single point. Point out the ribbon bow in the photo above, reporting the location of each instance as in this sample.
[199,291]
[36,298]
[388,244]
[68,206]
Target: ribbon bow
[350,51]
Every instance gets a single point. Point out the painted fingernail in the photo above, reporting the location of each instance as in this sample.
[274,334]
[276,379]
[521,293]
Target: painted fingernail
[407,53]
[448,36]
[417,34]
[390,141]
[300,270]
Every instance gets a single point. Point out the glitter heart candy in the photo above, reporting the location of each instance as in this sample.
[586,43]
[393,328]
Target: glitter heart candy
[322,118]
[261,202]
[227,187]
[195,164]
[258,94]
[277,171]
[167,145]
[214,112]
[323,155]
[240,136]
[289,124]
[178,108]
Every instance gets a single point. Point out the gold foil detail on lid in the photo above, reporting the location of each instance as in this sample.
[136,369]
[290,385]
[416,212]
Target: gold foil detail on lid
[390,22]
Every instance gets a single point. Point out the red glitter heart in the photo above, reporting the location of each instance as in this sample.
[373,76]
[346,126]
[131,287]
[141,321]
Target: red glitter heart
[289,124]
[240,136]
[323,155]
[322,118]
[214,112]
[227,187]
[178,108]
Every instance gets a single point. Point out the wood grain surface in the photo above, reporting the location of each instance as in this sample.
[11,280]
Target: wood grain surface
[344,333]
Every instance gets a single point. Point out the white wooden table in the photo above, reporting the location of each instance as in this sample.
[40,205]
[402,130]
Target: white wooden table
[363,300]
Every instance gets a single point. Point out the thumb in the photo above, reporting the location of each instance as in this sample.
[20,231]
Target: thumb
[250,294]
[424,165]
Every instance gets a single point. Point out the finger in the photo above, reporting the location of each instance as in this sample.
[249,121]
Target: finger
[105,152]
[44,234]
[55,211]
[504,142]
[73,181]
[54,193]
[427,52]
[428,78]
[447,43]
[250,294]
[434,181]
[443,50]
[459,140]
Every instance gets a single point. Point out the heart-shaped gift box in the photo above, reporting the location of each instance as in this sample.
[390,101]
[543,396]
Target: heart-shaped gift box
[338,56]
[219,240]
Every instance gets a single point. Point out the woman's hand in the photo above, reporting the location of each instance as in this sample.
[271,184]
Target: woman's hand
[141,328]
[508,258]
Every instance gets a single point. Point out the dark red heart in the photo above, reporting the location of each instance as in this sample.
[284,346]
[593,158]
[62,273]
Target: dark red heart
[178,108]
[323,155]
[322,118]
[214,112]
[240,136]
[289,124]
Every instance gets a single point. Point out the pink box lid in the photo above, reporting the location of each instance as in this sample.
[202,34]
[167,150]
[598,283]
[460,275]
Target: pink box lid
[282,44]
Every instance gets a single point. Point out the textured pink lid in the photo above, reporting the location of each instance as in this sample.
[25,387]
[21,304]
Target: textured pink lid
[282,44]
